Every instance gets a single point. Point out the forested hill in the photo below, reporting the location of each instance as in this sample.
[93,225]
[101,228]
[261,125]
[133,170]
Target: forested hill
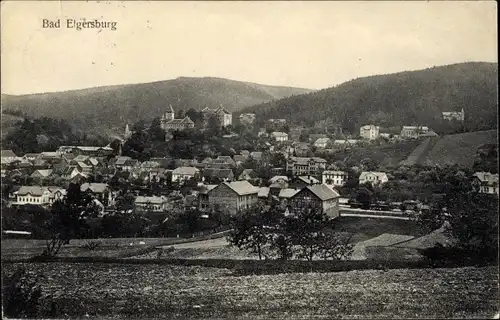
[111,107]
[405,98]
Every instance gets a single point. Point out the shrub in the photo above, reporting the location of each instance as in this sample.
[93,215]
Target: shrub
[20,294]
[91,245]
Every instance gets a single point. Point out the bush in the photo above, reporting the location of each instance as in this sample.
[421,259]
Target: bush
[91,245]
[20,295]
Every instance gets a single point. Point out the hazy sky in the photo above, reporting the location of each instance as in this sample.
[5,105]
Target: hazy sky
[304,44]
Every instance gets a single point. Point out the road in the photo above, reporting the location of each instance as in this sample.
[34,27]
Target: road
[343,214]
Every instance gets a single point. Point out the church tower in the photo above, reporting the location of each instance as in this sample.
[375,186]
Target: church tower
[169,114]
[128,133]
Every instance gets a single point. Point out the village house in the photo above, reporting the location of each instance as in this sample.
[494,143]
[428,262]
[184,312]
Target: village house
[486,182]
[184,173]
[7,157]
[213,174]
[239,159]
[305,166]
[279,136]
[286,194]
[86,150]
[37,195]
[247,174]
[100,191]
[263,194]
[41,174]
[233,196]
[317,195]
[31,156]
[224,117]
[335,178]
[369,132]
[346,142]
[411,132]
[373,177]
[256,155]
[127,164]
[150,204]
[322,143]
[302,182]
[275,188]
[279,179]
[169,122]
[203,202]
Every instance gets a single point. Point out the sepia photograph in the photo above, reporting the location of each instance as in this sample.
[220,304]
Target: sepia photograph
[249,160]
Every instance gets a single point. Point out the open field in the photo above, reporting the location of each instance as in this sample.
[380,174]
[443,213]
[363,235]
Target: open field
[151,291]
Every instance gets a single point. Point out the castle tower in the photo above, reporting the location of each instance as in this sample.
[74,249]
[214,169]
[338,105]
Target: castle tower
[169,114]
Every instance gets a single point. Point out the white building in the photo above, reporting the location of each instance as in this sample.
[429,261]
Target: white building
[184,173]
[335,178]
[369,132]
[322,143]
[413,131]
[373,177]
[279,136]
[150,204]
[37,195]
[487,182]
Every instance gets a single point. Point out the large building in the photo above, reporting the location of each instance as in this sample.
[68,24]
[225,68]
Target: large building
[335,178]
[486,182]
[37,195]
[150,204]
[224,117]
[369,132]
[413,131]
[375,178]
[299,166]
[233,196]
[316,195]
[168,121]
[279,136]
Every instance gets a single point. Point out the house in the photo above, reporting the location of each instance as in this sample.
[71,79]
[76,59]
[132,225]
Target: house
[373,177]
[150,204]
[348,142]
[335,178]
[185,162]
[31,156]
[41,174]
[322,143]
[124,163]
[224,117]
[101,191]
[317,195]
[256,155]
[69,172]
[247,118]
[239,159]
[281,122]
[168,121]
[410,132]
[233,196]
[263,193]
[275,188]
[305,165]
[454,115]
[279,136]
[301,148]
[203,202]
[369,132]
[184,173]
[7,157]
[247,174]
[157,174]
[86,150]
[486,182]
[37,195]
[302,181]
[226,159]
[286,194]
[278,179]
[213,174]
[83,167]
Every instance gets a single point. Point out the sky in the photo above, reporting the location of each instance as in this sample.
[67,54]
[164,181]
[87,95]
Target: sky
[303,44]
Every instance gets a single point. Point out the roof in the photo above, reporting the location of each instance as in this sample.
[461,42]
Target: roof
[380,175]
[287,193]
[33,190]
[150,164]
[415,128]
[80,157]
[279,185]
[152,200]
[83,165]
[242,187]
[279,134]
[94,187]
[263,192]
[305,160]
[369,127]
[31,155]
[207,187]
[93,161]
[122,160]
[334,172]
[219,173]
[487,178]
[239,158]
[308,179]
[256,155]
[322,191]
[276,178]
[43,172]
[430,134]
[8,154]
[185,170]
[322,140]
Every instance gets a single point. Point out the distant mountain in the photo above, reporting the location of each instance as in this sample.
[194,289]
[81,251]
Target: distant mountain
[111,107]
[405,98]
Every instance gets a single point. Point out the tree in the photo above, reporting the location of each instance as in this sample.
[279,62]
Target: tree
[364,196]
[252,230]
[156,132]
[68,219]
[20,294]
[336,246]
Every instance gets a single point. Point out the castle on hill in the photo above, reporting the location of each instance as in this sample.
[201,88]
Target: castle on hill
[169,122]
